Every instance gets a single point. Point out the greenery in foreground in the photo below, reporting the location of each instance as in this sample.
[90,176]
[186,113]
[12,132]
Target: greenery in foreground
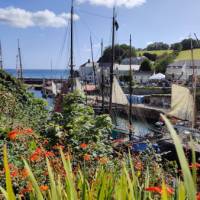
[70,155]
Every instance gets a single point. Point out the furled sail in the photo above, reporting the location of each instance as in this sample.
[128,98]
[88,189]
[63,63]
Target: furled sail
[54,88]
[118,96]
[182,105]
[78,86]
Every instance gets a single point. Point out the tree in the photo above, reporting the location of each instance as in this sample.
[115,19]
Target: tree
[150,56]
[176,47]
[186,44]
[157,46]
[162,63]
[121,52]
[146,65]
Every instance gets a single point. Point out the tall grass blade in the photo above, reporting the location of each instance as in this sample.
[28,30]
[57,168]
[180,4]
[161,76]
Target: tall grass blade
[188,180]
[9,188]
[52,182]
[34,182]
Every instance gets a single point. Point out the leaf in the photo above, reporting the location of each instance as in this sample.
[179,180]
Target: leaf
[188,180]
[9,188]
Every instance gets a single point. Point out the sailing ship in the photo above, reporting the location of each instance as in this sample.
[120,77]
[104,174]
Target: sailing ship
[183,115]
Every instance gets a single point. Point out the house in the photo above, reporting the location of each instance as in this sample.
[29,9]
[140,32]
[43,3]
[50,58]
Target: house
[141,77]
[182,70]
[86,71]
[134,60]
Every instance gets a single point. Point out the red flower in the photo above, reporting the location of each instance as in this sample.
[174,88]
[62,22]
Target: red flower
[159,190]
[25,173]
[14,173]
[49,154]
[139,165]
[34,157]
[83,146]
[13,134]
[154,189]
[195,165]
[28,130]
[86,157]
[44,187]
[198,196]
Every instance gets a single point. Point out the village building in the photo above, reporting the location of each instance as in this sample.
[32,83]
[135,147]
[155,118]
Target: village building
[182,70]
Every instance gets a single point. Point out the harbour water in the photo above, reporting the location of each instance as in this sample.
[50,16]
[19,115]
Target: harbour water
[41,73]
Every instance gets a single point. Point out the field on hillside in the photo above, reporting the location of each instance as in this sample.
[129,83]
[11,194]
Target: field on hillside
[158,52]
[186,55]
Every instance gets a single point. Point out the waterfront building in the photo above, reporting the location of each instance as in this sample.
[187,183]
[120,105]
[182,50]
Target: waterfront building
[182,70]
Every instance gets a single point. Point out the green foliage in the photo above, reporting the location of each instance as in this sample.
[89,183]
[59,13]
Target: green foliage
[121,52]
[78,124]
[177,47]
[18,107]
[157,46]
[150,56]
[162,63]
[146,66]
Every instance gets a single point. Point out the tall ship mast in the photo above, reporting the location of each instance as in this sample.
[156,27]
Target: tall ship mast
[72,47]
[194,84]
[112,61]
[1,57]
[20,62]
[130,91]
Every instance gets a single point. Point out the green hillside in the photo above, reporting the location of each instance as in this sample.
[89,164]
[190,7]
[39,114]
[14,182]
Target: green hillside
[186,55]
[158,52]
[183,55]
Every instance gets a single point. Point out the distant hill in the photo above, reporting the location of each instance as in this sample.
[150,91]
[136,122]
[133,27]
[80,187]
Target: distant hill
[186,55]
[183,55]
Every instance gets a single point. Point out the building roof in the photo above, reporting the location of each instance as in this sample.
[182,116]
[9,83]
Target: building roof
[134,60]
[186,63]
[126,67]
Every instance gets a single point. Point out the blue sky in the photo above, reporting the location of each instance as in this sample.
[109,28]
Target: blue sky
[42,28]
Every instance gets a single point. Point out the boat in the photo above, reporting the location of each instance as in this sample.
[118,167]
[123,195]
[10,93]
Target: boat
[183,116]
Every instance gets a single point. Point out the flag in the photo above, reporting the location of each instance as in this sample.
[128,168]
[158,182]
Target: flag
[116,25]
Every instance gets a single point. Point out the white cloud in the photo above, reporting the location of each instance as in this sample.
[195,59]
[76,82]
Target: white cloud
[118,3]
[21,18]
[151,42]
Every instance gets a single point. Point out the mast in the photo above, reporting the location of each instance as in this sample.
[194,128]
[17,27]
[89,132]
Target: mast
[194,83]
[72,46]
[112,62]
[17,69]
[102,79]
[1,57]
[130,91]
[93,65]
[20,62]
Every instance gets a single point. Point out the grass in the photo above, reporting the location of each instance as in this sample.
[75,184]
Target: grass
[105,184]
[183,55]
[158,52]
[186,55]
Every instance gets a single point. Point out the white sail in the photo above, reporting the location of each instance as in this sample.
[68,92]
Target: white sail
[54,88]
[182,105]
[78,86]
[118,96]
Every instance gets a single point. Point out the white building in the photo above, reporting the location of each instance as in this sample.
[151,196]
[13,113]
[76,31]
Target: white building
[182,70]
[86,71]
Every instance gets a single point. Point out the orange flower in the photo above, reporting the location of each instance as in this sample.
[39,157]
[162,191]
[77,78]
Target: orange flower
[86,157]
[103,160]
[198,196]
[159,190]
[44,187]
[139,165]
[49,154]
[195,165]
[25,190]
[83,146]
[12,135]
[25,173]
[14,173]
[34,157]
[154,189]
[28,130]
